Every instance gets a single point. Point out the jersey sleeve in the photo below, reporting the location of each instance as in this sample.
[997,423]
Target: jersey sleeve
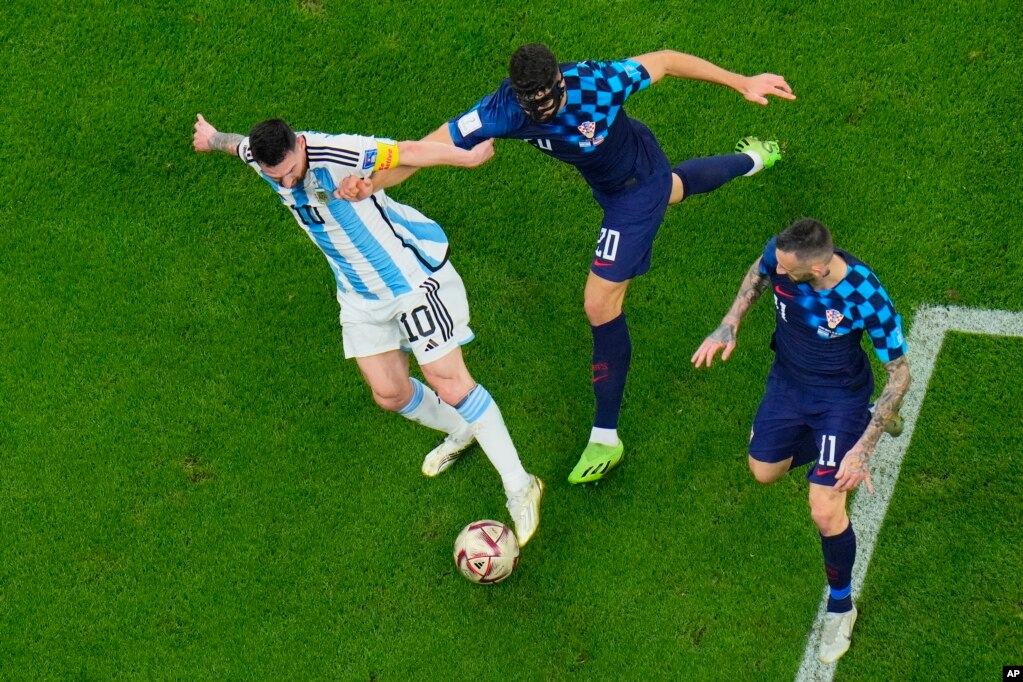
[495,115]
[345,155]
[245,154]
[882,323]
[623,78]
[768,259]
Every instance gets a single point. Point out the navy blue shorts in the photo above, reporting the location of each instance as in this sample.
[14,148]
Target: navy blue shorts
[633,216]
[809,426]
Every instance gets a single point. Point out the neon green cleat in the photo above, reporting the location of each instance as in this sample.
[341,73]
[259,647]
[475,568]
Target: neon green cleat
[769,151]
[596,461]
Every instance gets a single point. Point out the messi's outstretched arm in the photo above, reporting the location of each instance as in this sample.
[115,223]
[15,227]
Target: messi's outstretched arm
[356,189]
[681,65]
[856,465]
[206,138]
[753,286]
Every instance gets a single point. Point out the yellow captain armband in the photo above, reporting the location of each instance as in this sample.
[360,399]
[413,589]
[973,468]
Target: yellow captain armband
[386,156]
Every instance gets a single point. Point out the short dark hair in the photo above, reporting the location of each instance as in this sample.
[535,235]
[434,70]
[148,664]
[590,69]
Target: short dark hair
[270,141]
[533,68]
[808,239]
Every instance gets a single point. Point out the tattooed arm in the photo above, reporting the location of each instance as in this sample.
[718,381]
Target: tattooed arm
[207,139]
[856,464]
[753,285]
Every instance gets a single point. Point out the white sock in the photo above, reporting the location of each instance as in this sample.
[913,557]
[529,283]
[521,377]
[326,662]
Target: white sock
[428,409]
[482,413]
[604,436]
[758,163]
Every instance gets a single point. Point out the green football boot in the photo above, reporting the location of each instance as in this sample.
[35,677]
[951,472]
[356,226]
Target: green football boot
[769,151]
[596,461]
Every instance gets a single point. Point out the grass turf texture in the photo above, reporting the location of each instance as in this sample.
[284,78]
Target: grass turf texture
[195,485]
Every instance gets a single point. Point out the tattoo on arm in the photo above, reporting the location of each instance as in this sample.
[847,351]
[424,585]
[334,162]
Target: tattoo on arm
[226,142]
[753,285]
[889,402]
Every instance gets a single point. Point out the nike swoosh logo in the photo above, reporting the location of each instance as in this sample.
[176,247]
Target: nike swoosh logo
[824,472]
[601,264]
[777,290]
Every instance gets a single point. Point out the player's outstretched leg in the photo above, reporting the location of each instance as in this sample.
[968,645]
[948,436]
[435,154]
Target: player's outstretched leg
[524,490]
[612,354]
[699,176]
[426,408]
[838,546]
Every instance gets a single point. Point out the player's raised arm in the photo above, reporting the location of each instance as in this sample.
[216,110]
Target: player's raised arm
[357,189]
[206,138]
[681,65]
[422,154]
[753,285]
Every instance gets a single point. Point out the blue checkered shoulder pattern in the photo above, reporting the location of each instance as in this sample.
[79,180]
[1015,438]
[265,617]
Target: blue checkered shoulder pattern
[875,311]
[603,87]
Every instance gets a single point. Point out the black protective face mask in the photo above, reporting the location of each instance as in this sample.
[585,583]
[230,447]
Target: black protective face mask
[544,108]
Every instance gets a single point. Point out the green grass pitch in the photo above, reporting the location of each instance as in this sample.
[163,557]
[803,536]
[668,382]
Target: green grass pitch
[195,485]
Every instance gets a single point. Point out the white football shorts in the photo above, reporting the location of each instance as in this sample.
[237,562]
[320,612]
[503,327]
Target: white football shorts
[429,321]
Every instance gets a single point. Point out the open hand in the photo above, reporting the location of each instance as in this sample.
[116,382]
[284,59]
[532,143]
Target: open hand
[723,337]
[855,469]
[757,88]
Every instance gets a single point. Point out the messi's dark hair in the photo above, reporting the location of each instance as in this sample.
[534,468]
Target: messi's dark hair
[807,238]
[533,68]
[270,141]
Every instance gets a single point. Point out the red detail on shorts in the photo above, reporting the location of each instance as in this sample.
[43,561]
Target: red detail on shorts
[602,264]
[823,472]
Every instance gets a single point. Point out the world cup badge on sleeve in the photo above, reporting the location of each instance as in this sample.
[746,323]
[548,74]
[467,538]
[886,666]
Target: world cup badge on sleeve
[834,317]
[588,129]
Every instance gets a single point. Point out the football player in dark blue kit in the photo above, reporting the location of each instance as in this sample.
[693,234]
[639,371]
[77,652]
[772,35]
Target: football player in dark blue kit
[816,408]
[574,112]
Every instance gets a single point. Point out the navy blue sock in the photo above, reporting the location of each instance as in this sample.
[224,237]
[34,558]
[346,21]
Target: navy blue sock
[700,176]
[839,556]
[612,351]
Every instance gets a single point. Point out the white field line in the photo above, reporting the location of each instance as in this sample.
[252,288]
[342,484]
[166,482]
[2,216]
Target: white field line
[868,511]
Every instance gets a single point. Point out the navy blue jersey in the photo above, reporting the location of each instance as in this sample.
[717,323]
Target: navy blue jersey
[817,335]
[592,132]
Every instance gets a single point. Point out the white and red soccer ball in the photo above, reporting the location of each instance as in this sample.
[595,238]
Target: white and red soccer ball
[486,551]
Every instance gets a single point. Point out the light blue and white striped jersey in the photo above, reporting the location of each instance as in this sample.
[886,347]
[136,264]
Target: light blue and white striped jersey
[377,248]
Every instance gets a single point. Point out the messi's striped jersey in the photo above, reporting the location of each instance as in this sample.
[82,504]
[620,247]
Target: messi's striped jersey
[817,334]
[592,132]
[377,248]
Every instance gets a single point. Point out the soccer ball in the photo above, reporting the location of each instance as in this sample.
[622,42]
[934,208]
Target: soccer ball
[486,551]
